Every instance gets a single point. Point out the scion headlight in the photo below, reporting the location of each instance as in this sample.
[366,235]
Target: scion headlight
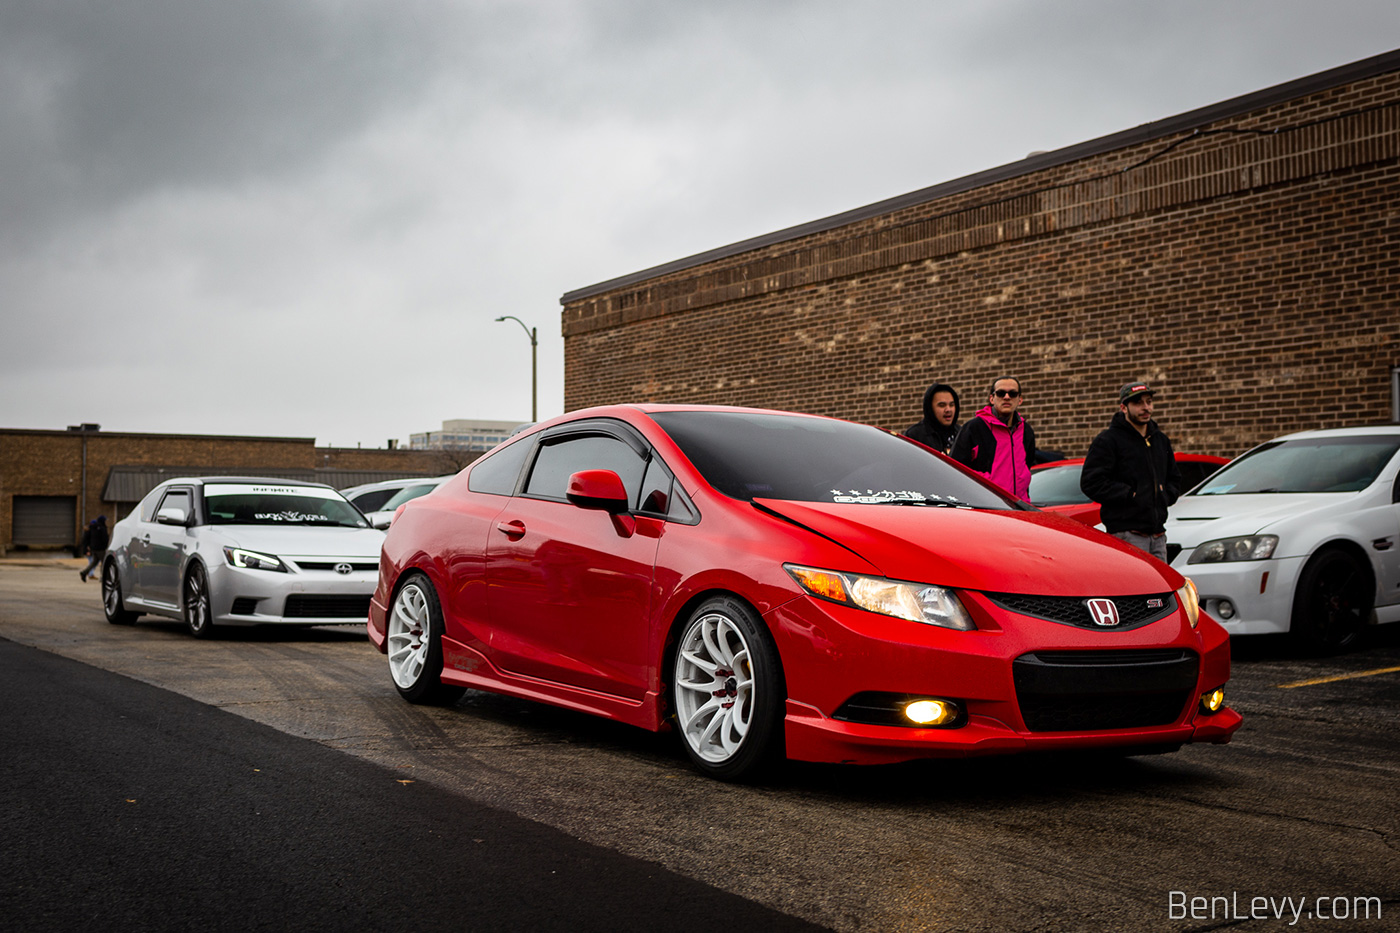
[1190,601]
[917,602]
[252,560]
[1248,547]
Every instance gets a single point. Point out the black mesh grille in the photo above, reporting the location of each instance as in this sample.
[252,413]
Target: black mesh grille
[1133,611]
[1077,691]
[244,606]
[326,607]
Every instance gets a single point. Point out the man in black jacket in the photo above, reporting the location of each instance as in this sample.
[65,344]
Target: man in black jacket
[940,423]
[1131,472]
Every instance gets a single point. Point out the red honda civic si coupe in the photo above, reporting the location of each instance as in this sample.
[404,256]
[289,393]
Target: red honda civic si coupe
[772,584]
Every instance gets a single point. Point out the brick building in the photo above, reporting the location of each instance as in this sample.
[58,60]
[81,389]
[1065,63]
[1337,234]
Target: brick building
[1241,258]
[53,482]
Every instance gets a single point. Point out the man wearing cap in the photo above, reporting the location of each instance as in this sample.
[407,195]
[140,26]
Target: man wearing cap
[1131,472]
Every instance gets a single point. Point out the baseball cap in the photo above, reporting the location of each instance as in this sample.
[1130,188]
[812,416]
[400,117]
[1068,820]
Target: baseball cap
[1133,390]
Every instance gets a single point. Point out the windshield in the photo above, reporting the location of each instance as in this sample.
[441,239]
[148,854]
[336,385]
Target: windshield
[1057,485]
[409,492]
[770,456]
[1319,464]
[251,504]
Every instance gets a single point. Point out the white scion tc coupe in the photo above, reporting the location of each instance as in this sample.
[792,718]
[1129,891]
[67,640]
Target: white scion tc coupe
[229,550]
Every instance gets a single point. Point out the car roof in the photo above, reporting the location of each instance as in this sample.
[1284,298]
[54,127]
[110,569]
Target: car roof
[1179,456]
[1367,430]
[263,480]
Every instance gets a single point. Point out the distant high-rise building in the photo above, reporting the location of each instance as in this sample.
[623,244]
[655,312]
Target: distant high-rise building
[461,434]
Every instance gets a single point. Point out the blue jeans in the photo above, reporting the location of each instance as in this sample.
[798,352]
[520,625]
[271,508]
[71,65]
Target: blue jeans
[1156,545]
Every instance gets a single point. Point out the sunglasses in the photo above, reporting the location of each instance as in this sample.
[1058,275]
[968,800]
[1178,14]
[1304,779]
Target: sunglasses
[1007,393]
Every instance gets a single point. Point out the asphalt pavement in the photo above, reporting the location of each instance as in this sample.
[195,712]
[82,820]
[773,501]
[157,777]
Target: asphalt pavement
[125,807]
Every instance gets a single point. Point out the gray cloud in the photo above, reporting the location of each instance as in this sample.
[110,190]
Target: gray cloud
[303,218]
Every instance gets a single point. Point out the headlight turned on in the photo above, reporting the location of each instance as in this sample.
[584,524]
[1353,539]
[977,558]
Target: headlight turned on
[252,560]
[916,602]
[1190,600]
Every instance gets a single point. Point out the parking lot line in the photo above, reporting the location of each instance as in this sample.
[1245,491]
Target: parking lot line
[1328,680]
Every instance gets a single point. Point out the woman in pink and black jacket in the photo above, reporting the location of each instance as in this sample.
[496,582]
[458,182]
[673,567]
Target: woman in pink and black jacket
[997,442]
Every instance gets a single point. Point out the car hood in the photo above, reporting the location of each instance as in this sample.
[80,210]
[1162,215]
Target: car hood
[1195,519]
[302,540]
[995,551]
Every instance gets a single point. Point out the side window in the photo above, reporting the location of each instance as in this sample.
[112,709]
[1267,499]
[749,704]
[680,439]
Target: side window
[656,489]
[495,474]
[549,478]
[148,505]
[178,498]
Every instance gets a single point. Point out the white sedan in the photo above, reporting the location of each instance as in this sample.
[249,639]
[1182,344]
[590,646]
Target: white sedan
[241,550]
[1300,535]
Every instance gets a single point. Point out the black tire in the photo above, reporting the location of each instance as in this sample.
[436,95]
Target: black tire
[727,692]
[414,644]
[199,617]
[112,604]
[1332,603]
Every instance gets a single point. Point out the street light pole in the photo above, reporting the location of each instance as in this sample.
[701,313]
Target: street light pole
[534,364]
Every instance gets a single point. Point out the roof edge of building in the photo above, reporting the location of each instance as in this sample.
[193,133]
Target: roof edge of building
[1146,132]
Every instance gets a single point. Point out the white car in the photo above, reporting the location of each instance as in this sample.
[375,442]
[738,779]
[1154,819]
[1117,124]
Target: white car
[369,497]
[1298,535]
[241,550]
[384,515]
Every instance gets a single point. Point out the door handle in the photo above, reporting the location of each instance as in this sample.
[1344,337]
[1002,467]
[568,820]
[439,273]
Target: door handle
[511,529]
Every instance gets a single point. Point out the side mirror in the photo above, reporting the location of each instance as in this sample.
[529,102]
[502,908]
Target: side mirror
[171,515]
[598,489]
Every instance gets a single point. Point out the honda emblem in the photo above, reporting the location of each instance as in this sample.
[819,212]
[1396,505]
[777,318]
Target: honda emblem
[1102,611]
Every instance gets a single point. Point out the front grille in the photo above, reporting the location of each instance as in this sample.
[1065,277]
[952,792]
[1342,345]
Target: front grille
[326,607]
[1172,551]
[1080,691]
[1133,611]
[331,564]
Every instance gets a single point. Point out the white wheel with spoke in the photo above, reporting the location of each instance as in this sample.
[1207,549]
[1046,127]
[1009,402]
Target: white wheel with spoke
[726,690]
[414,644]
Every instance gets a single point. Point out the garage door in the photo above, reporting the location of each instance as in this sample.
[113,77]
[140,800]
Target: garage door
[44,520]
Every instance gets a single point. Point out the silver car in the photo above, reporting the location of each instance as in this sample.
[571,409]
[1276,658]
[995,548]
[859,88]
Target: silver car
[241,550]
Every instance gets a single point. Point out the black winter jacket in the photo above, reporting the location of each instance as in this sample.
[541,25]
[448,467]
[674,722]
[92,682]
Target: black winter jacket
[1133,478]
[928,431]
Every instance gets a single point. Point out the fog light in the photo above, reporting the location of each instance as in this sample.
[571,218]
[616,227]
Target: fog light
[931,712]
[1213,702]
[1226,609]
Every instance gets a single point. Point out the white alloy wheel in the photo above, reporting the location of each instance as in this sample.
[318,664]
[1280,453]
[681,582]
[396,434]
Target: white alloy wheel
[727,690]
[408,636]
[413,642]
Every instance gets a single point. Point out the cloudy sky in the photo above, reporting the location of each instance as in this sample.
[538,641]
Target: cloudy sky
[301,217]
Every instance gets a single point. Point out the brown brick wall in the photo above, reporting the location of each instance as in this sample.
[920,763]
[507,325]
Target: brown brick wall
[1245,268]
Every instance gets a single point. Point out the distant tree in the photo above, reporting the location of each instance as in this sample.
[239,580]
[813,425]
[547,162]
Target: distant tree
[454,460]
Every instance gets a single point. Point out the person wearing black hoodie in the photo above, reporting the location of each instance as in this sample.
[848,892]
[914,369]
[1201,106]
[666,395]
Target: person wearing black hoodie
[940,422]
[95,541]
[1131,472]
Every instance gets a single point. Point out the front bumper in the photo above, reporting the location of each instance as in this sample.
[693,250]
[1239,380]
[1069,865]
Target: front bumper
[300,597]
[832,653]
[1261,591]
